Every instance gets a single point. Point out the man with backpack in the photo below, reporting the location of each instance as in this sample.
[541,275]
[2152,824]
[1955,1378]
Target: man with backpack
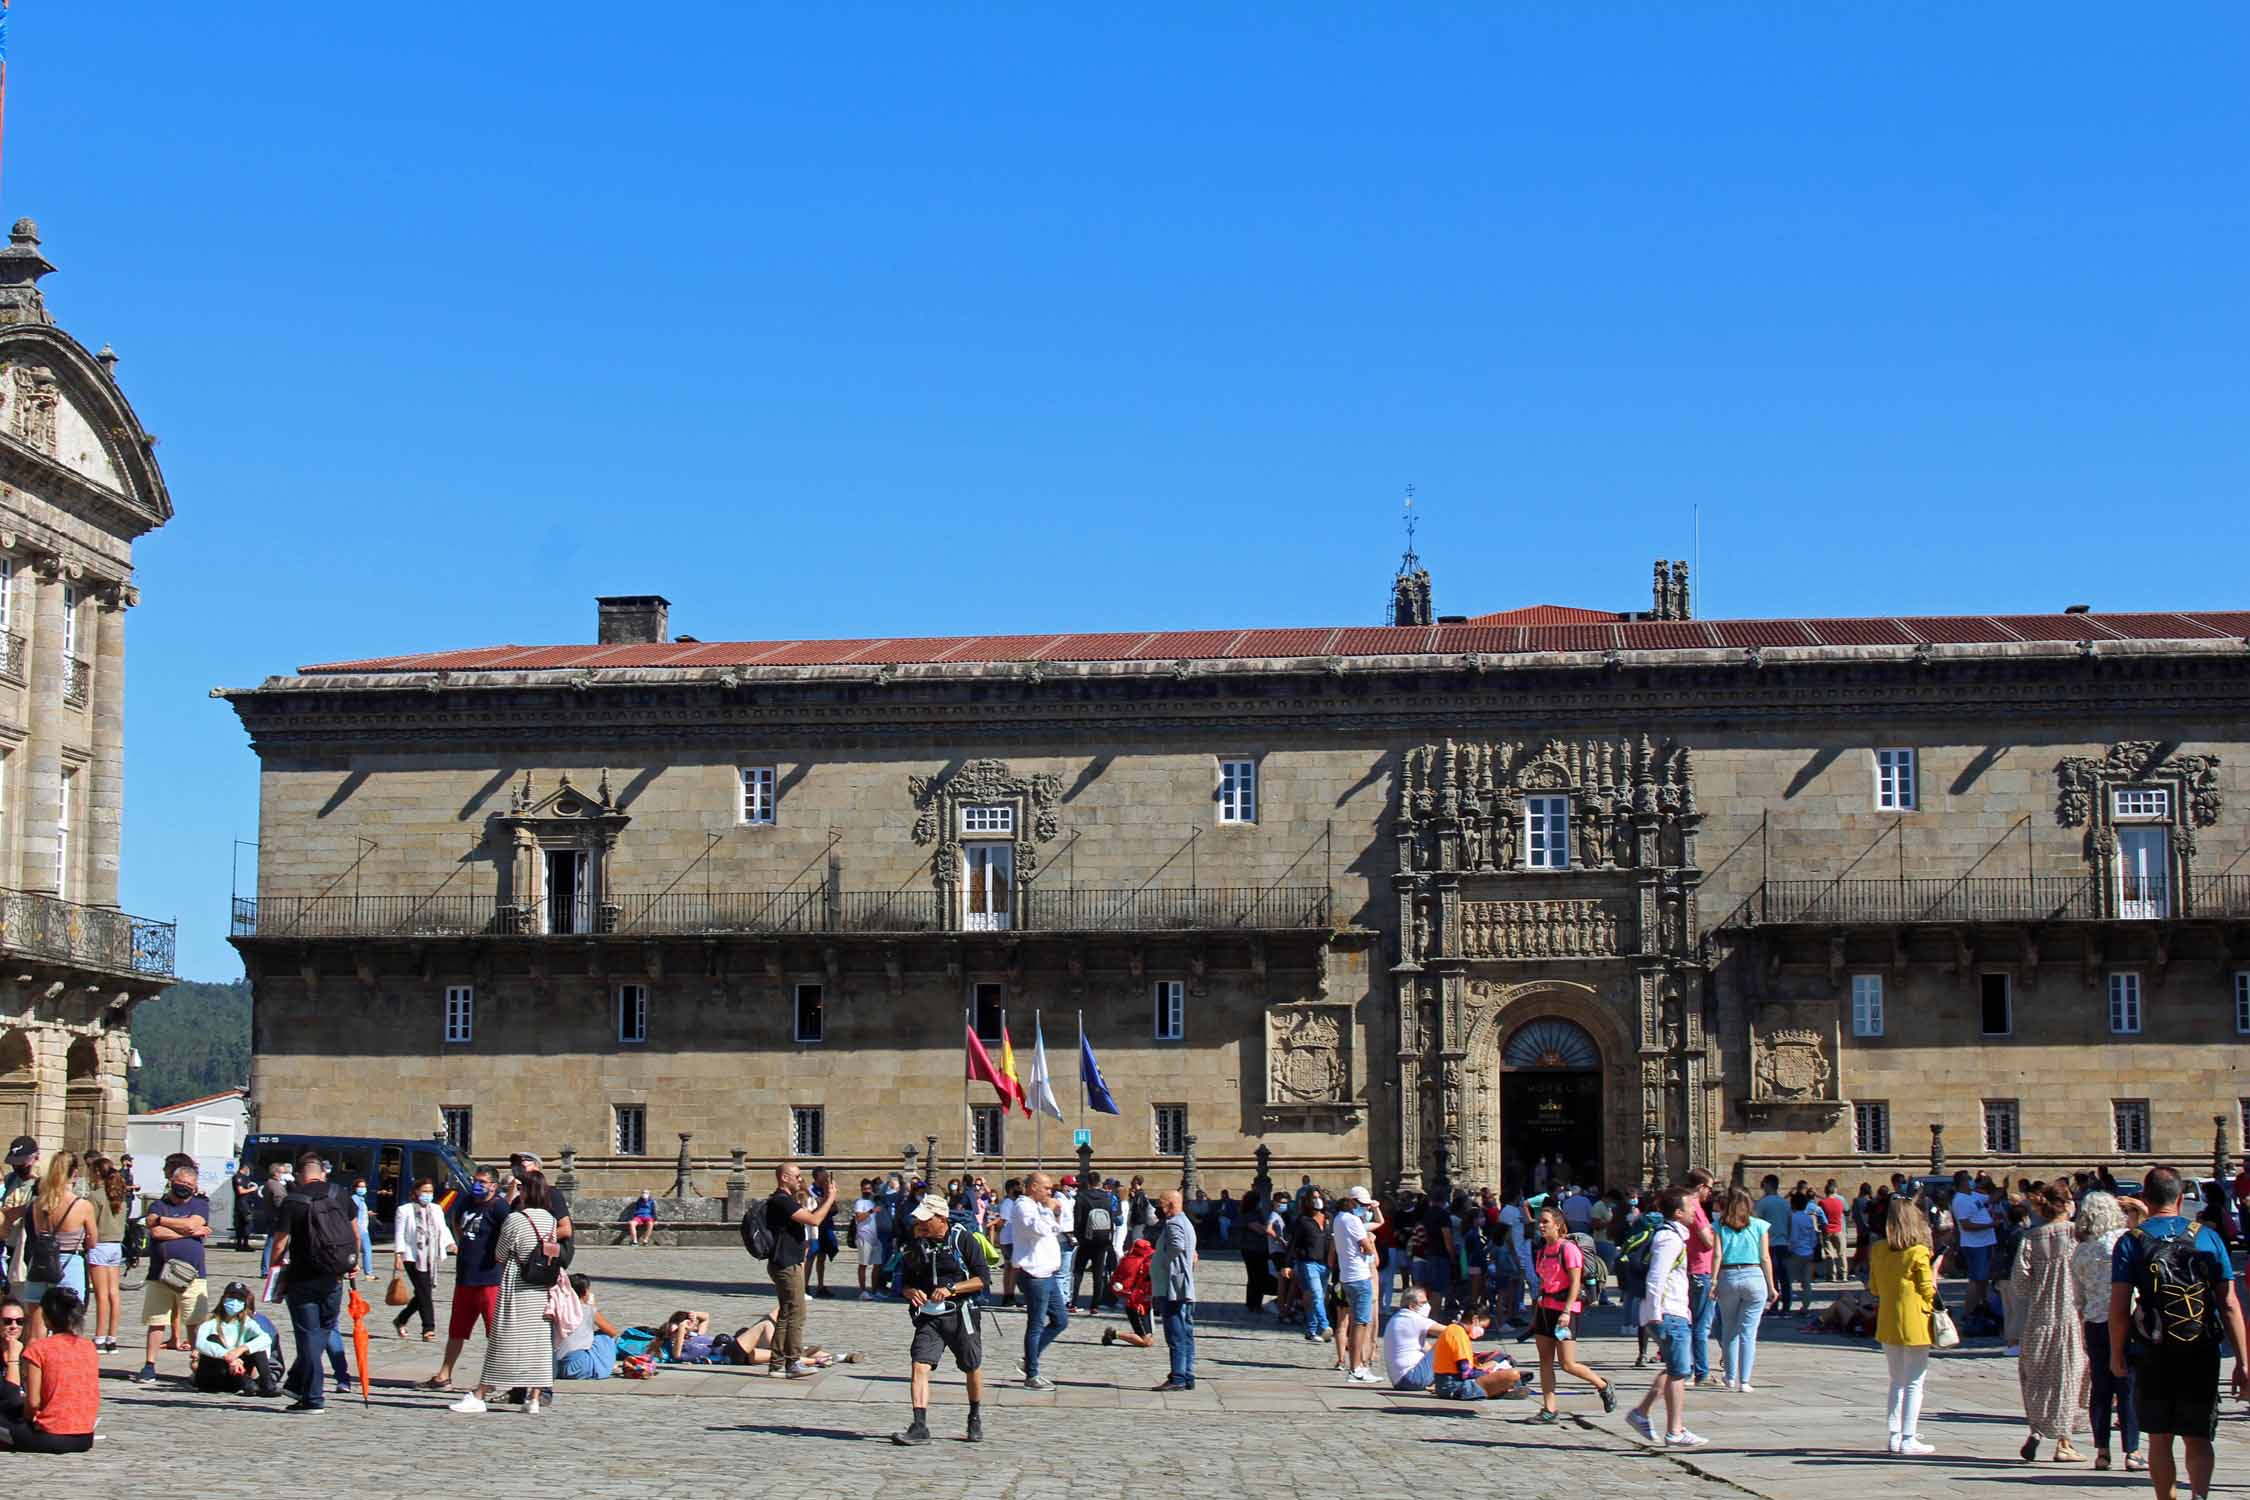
[941,1271]
[1095,1225]
[317,1245]
[781,1232]
[2171,1291]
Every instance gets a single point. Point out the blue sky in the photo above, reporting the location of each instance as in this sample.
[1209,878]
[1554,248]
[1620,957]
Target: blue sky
[839,321]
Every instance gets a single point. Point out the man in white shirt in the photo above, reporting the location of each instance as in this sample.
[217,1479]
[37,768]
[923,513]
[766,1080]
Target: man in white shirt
[1035,1223]
[864,1249]
[1666,1305]
[1407,1339]
[1355,1273]
[1972,1217]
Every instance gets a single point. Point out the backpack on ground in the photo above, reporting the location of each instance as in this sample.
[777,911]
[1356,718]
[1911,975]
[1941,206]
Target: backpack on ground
[331,1240]
[2175,1306]
[544,1265]
[636,1341]
[757,1233]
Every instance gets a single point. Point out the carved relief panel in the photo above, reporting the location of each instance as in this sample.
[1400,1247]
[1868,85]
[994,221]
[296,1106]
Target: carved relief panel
[1308,1057]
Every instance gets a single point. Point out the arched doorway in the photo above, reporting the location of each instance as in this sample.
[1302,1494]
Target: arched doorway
[82,1097]
[19,1084]
[1551,1101]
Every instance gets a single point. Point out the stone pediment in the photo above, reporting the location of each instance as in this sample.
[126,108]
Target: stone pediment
[38,412]
[566,803]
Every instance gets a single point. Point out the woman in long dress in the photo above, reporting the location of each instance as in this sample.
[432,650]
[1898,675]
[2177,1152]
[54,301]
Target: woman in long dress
[522,1350]
[2052,1367]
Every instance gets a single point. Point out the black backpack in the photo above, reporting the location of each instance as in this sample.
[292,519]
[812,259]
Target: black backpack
[757,1231]
[541,1267]
[2176,1306]
[42,1259]
[331,1240]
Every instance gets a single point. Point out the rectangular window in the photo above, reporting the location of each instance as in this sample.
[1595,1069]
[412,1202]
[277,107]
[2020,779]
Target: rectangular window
[1894,780]
[1171,1009]
[990,821]
[69,622]
[632,1129]
[811,1021]
[7,590]
[988,1000]
[2141,802]
[987,1130]
[63,851]
[1171,1130]
[460,1012]
[1871,1128]
[1238,791]
[2245,1104]
[2131,1119]
[2001,1131]
[757,794]
[1867,1005]
[2241,977]
[2125,1004]
[1546,833]
[808,1132]
[1998,994]
[632,1012]
[460,1128]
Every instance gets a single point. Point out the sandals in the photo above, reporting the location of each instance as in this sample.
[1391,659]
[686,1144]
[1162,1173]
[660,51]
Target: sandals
[435,1384]
[2134,1463]
[2065,1454]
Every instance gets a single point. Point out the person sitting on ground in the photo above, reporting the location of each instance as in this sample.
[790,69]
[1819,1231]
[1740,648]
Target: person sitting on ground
[1451,1369]
[15,1320]
[62,1381]
[641,1227]
[1131,1284]
[588,1351]
[234,1354]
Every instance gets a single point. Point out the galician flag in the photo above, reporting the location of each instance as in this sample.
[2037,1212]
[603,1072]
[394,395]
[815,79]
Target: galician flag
[981,1070]
[1040,1091]
[1008,1069]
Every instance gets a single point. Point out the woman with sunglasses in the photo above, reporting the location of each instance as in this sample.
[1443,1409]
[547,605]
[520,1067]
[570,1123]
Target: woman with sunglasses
[14,1331]
[62,1382]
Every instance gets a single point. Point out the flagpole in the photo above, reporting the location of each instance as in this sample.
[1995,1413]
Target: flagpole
[1082,1070]
[968,1025]
[1038,1115]
[1009,1042]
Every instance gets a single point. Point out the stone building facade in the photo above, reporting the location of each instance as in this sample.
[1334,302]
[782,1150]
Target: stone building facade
[1436,898]
[78,484]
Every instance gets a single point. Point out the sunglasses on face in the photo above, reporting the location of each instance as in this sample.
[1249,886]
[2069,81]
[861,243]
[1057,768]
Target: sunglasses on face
[5,1322]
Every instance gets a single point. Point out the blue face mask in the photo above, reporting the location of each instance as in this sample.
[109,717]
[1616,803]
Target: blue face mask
[477,1190]
[360,1194]
[423,1198]
[232,1307]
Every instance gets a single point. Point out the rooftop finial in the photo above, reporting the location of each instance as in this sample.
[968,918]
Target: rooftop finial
[1407,563]
[1410,591]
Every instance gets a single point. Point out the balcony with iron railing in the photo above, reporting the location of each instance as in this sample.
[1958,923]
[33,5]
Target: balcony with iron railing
[78,681]
[2027,898]
[15,656]
[96,937]
[802,909]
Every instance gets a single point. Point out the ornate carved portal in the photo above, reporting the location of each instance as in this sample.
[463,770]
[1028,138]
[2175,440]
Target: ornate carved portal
[1019,810]
[1549,883]
[2140,805]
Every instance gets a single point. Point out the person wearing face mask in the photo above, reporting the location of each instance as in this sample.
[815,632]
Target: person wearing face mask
[360,1228]
[177,1226]
[234,1352]
[476,1270]
[420,1241]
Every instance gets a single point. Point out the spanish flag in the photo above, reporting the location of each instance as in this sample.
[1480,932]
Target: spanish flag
[1008,1069]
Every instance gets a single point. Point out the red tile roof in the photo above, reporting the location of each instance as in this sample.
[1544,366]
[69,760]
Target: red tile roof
[1488,634]
[1547,614]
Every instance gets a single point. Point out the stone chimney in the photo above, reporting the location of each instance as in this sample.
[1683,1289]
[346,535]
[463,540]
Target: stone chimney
[1410,597]
[633,619]
[1670,593]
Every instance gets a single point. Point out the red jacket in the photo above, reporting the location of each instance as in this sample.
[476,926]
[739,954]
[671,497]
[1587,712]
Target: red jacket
[1131,1280]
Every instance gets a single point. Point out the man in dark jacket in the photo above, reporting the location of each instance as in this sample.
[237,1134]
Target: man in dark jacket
[1096,1220]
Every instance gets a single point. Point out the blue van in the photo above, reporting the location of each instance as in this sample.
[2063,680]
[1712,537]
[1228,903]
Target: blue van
[389,1167]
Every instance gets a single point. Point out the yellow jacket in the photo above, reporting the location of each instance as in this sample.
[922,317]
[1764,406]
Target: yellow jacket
[1905,1290]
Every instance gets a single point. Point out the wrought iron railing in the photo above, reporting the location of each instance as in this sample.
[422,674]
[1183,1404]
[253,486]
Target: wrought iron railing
[50,927]
[15,656]
[798,909]
[78,680]
[2044,898]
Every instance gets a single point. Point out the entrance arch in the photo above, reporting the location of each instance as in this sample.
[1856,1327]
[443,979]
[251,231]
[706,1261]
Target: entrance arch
[1551,1101]
[1595,1052]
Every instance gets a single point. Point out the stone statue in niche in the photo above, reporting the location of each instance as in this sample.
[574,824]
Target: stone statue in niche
[1307,1055]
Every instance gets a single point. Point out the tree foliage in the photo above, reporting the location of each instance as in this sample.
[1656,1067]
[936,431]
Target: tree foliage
[194,1040]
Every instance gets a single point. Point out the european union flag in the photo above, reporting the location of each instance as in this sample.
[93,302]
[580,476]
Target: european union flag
[1090,1074]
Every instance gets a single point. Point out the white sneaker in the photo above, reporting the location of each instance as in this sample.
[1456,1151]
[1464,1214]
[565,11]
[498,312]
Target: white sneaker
[1892,1442]
[1364,1375]
[1640,1424]
[471,1404]
[803,1367]
[1914,1447]
[1684,1439]
[531,1404]
[1745,1388]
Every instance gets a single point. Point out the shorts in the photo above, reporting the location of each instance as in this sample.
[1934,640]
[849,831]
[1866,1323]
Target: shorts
[159,1302]
[1544,1319]
[1359,1296]
[640,1222]
[470,1303]
[1976,1262]
[1675,1340]
[1137,1321]
[2178,1392]
[1418,1378]
[106,1255]
[954,1330]
[1458,1388]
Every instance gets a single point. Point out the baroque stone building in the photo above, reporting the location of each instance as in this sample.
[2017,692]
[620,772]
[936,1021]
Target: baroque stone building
[1439,897]
[78,484]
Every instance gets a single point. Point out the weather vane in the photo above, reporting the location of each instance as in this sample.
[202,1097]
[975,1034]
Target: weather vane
[1408,561]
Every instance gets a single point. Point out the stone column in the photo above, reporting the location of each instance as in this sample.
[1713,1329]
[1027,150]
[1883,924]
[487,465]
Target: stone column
[42,779]
[105,778]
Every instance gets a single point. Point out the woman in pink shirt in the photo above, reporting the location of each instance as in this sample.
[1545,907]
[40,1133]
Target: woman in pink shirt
[1561,1268]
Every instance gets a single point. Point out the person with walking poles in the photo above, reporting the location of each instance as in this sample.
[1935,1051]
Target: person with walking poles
[1035,1228]
[940,1273]
[1172,1288]
[2171,1292]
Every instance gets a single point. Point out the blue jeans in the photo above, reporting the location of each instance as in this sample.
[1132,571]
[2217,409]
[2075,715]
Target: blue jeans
[1312,1275]
[1045,1316]
[1179,1338]
[1742,1307]
[1704,1309]
[1394,1264]
[312,1316]
[589,1364]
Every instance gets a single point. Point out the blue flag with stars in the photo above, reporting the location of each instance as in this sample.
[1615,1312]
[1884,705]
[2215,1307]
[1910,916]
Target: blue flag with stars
[1090,1074]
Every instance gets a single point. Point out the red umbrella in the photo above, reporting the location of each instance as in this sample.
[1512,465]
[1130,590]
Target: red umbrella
[357,1306]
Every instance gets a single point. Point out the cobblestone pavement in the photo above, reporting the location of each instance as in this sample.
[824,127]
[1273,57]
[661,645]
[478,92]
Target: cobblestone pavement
[1268,1417]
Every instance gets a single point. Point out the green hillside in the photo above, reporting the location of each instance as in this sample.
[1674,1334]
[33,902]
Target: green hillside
[194,1039]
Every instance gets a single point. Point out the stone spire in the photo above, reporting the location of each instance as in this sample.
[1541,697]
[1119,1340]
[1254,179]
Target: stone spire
[21,266]
[1410,591]
[1670,601]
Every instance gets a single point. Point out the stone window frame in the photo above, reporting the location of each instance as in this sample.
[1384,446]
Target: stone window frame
[1238,794]
[760,784]
[2132,1132]
[459,1026]
[1898,777]
[460,1127]
[2125,985]
[2007,1141]
[2007,999]
[1157,1119]
[628,1128]
[805,1143]
[634,1012]
[797,1031]
[992,1143]
[1557,848]
[1168,1009]
[1871,1127]
[1867,1021]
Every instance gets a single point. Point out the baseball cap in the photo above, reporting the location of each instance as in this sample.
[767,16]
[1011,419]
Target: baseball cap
[1360,1195]
[1070,1182]
[21,1150]
[931,1207]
